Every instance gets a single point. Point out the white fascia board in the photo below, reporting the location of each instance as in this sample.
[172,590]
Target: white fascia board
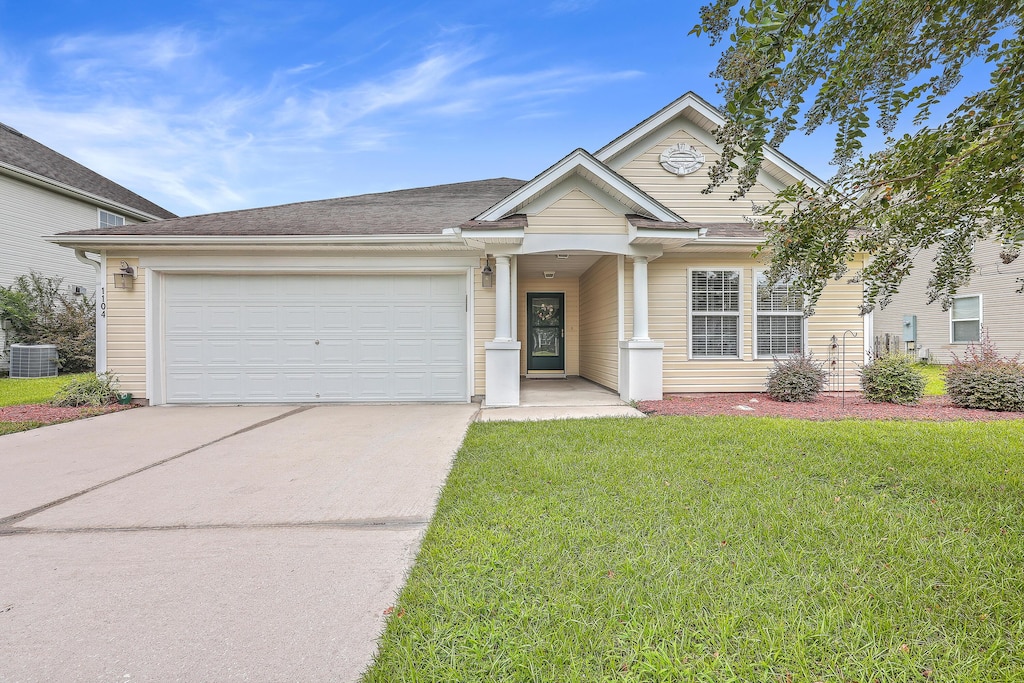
[702,107]
[249,241]
[567,166]
[71,191]
[667,235]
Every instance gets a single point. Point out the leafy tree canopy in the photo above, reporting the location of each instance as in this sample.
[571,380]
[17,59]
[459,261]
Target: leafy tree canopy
[851,63]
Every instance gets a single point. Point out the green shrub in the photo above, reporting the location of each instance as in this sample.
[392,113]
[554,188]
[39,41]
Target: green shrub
[94,390]
[799,378]
[42,311]
[893,378]
[984,379]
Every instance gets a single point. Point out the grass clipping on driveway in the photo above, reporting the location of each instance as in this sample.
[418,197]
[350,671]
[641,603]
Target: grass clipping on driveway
[720,549]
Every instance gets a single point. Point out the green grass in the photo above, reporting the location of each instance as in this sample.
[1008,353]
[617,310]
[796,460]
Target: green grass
[720,549]
[12,427]
[935,375]
[16,392]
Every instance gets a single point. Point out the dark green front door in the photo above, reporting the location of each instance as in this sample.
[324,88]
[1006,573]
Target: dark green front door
[545,333]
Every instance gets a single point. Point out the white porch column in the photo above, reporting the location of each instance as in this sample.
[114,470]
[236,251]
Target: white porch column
[640,332]
[640,358]
[503,299]
[501,363]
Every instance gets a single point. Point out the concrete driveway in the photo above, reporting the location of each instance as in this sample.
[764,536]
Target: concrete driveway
[213,543]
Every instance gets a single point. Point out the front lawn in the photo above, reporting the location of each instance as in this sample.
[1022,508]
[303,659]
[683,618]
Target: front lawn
[935,376]
[720,549]
[16,392]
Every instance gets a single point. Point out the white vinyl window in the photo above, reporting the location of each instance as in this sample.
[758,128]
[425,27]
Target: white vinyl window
[778,319]
[715,313]
[110,220]
[965,319]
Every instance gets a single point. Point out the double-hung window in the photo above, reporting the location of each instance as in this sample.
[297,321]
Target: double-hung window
[715,313]
[110,220]
[965,319]
[778,319]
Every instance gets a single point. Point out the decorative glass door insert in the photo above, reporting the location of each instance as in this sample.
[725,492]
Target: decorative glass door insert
[545,321]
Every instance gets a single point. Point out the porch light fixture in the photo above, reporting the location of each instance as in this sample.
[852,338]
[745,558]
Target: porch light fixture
[487,275]
[549,275]
[124,278]
[561,257]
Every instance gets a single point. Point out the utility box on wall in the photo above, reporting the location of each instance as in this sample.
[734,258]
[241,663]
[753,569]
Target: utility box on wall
[910,332]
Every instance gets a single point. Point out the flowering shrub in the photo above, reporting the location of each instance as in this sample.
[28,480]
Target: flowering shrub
[984,379]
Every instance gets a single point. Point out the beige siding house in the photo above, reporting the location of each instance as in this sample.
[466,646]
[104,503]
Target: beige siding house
[43,192]
[989,301]
[611,266]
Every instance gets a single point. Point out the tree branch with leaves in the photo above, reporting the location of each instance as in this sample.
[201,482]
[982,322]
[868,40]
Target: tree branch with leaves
[801,64]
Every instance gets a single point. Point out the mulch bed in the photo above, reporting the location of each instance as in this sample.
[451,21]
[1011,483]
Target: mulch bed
[47,414]
[826,407]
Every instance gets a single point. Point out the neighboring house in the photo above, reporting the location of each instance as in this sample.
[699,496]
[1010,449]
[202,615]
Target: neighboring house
[612,266]
[989,301]
[43,192]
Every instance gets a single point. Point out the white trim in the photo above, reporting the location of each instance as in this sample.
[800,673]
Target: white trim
[757,272]
[620,268]
[99,218]
[514,274]
[700,106]
[310,264]
[689,313]
[578,159]
[249,241]
[153,387]
[470,330]
[869,333]
[980,318]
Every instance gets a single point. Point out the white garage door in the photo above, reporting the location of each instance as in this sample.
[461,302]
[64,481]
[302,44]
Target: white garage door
[308,338]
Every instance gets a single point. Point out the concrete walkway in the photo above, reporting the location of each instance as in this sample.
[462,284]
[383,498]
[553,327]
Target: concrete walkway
[227,544]
[559,399]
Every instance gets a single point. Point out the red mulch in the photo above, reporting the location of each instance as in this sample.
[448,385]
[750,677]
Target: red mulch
[826,407]
[47,414]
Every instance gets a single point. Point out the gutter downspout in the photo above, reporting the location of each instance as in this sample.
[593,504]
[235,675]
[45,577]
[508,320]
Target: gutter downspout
[101,309]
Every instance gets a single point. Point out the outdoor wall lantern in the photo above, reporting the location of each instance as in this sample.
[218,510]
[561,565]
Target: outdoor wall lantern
[124,278]
[487,274]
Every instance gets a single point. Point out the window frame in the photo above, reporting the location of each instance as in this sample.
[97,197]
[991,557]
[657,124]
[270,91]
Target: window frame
[690,312]
[782,314]
[980,318]
[99,218]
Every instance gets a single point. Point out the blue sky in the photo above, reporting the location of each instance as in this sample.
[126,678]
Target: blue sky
[214,105]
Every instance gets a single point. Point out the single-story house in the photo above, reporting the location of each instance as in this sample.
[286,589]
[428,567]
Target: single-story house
[612,266]
[42,192]
[989,301]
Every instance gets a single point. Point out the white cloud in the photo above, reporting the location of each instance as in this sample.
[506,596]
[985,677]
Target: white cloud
[155,126]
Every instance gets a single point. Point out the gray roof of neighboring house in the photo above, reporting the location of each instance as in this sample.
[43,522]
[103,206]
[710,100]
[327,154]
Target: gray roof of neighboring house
[420,211]
[21,151]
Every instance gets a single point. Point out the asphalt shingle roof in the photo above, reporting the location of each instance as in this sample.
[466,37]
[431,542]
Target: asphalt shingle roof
[420,211]
[21,151]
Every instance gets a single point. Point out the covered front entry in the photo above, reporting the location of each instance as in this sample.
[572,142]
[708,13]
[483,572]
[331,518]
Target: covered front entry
[306,338]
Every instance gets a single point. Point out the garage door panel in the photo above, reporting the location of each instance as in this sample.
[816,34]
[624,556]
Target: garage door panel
[373,386]
[337,352]
[184,319]
[447,352]
[298,318]
[223,352]
[305,338]
[373,351]
[335,318]
[337,386]
[184,352]
[442,286]
[447,385]
[411,386]
[260,318]
[298,352]
[261,352]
